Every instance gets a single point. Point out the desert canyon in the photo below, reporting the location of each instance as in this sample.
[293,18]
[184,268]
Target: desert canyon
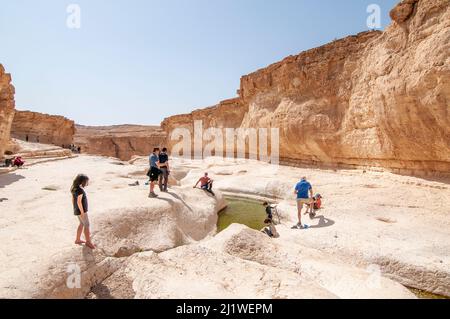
[365,118]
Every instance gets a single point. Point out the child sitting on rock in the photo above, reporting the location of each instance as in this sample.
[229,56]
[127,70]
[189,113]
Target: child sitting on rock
[317,204]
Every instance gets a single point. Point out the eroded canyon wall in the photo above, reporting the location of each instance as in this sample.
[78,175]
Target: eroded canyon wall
[7,105]
[43,128]
[377,99]
[120,141]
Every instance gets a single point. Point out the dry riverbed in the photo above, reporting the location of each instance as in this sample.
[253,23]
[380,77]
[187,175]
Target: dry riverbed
[373,225]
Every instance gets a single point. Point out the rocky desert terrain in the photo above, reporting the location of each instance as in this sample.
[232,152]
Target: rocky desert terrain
[365,119]
[43,128]
[365,243]
[7,105]
[376,99]
[120,141]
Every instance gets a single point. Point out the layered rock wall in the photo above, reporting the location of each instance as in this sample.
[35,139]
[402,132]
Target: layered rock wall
[43,128]
[7,105]
[377,99]
[121,141]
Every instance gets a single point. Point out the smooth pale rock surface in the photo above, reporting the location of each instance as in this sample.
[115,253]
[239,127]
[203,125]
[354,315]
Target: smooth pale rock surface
[398,222]
[38,226]
[377,99]
[331,260]
[43,128]
[244,263]
[195,272]
[120,141]
[336,275]
[7,105]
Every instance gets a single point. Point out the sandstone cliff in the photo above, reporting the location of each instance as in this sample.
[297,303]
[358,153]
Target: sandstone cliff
[377,99]
[121,141]
[6,109]
[43,128]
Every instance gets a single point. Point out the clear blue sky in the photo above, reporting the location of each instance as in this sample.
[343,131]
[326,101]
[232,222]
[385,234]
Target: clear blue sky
[138,61]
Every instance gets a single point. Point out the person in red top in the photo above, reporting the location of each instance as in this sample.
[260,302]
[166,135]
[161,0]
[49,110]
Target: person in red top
[206,183]
[18,162]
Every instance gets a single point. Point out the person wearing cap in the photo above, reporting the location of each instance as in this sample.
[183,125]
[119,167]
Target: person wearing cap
[304,193]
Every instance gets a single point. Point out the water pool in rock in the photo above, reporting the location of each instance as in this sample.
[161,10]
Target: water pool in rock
[421,294]
[242,211]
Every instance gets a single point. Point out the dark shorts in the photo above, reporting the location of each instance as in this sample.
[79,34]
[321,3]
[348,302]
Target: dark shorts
[207,186]
[154,174]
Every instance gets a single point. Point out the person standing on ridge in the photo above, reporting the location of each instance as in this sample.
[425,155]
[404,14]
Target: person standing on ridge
[304,193]
[80,209]
[154,171]
[165,170]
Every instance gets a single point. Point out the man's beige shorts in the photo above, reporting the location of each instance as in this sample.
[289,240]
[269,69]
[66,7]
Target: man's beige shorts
[301,201]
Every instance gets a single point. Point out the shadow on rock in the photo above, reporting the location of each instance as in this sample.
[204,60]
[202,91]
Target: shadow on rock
[8,179]
[323,222]
[181,200]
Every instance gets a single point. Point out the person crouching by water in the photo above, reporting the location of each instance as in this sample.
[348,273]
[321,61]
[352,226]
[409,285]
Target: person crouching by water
[269,209]
[270,229]
[206,184]
[154,171]
[80,208]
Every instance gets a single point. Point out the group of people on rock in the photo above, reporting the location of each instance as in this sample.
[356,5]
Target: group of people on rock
[304,197]
[159,171]
[75,149]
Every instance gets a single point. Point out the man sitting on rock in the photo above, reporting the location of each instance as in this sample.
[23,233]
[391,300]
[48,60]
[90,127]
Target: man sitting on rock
[206,184]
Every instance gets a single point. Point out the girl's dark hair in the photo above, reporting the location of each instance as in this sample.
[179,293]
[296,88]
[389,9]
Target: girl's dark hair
[155,149]
[80,180]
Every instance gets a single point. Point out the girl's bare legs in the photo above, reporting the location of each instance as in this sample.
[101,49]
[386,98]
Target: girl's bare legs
[87,236]
[78,241]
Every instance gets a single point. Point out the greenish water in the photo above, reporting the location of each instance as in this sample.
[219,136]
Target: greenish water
[426,295]
[242,211]
[252,214]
